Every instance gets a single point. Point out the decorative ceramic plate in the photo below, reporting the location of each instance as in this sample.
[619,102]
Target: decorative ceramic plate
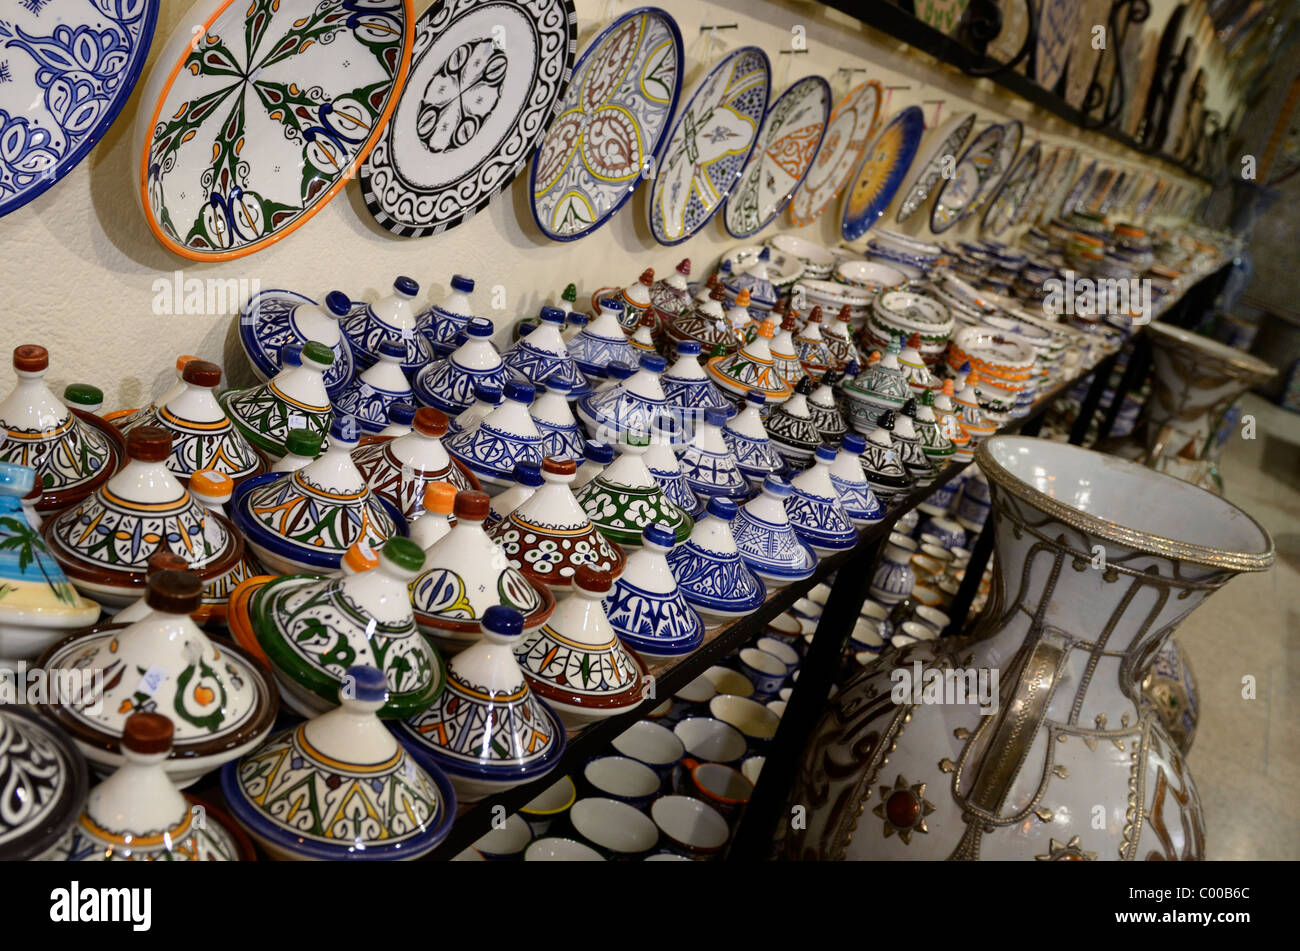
[1006,205]
[710,144]
[878,178]
[942,15]
[485,80]
[978,165]
[1101,186]
[1058,29]
[1050,199]
[1083,60]
[788,143]
[256,115]
[610,125]
[1075,195]
[1148,197]
[1012,134]
[947,140]
[1038,187]
[842,148]
[66,70]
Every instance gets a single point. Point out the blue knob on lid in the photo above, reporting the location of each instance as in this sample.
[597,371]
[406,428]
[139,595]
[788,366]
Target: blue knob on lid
[826,453]
[756,397]
[506,623]
[392,347]
[487,392]
[554,385]
[401,414]
[715,416]
[653,362]
[598,452]
[688,348]
[525,328]
[529,474]
[577,319]
[518,391]
[344,428]
[461,283]
[552,315]
[855,443]
[368,683]
[722,508]
[479,327]
[338,304]
[659,534]
[407,286]
[776,485]
[291,355]
[611,303]
[618,370]
[852,369]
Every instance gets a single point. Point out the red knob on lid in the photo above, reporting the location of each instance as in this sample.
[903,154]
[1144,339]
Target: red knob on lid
[31,358]
[472,506]
[559,466]
[648,276]
[592,579]
[201,373]
[430,421]
[815,317]
[844,313]
[148,444]
[147,733]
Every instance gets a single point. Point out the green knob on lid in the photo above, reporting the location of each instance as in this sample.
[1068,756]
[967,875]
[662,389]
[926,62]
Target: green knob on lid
[403,553]
[317,351]
[303,442]
[570,293]
[84,396]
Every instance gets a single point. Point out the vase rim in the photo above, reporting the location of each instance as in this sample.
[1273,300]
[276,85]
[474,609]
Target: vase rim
[1246,365]
[1243,557]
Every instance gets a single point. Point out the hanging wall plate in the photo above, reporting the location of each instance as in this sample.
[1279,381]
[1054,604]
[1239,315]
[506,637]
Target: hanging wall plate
[484,83]
[1010,198]
[1085,54]
[1049,202]
[1080,187]
[710,144]
[942,15]
[945,144]
[842,148]
[788,143]
[610,125]
[878,178]
[1058,28]
[1012,134]
[66,70]
[256,114]
[978,164]
[1038,186]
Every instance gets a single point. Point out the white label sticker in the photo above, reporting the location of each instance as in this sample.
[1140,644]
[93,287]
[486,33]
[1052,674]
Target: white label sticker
[367,552]
[297,421]
[153,679]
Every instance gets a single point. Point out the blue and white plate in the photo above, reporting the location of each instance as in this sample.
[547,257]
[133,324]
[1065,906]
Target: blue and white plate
[609,125]
[978,165]
[880,175]
[66,69]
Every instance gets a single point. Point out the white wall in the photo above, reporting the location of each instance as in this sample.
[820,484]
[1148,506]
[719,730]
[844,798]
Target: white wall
[79,263]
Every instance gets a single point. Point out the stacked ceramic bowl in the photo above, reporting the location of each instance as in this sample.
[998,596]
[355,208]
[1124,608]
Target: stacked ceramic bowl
[832,296]
[818,263]
[783,267]
[914,258]
[870,276]
[908,311]
[1007,368]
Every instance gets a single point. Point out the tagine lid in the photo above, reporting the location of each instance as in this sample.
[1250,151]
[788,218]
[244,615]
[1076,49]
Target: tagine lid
[751,368]
[550,534]
[503,438]
[791,424]
[625,497]
[45,781]
[576,659]
[465,573]
[273,319]
[709,569]
[488,723]
[312,628]
[73,452]
[297,789]
[645,606]
[218,697]
[106,539]
[398,469]
[295,398]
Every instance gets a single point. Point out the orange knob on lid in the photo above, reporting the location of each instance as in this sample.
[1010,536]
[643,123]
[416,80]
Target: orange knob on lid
[211,484]
[183,361]
[440,498]
[742,299]
[816,316]
[360,557]
[31,358]
[430,422]
[556,466]
[843,314]
[947,387]
[592,579]
[767,329]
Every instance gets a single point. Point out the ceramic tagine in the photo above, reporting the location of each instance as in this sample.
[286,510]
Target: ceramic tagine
[543,356]
[1021,775]
[37,604]
[104,542]
[747,438]
[625,497]
[646,607]
[575,661]
[707,462]
[442,323]
[883,463]
[687,389]
[528,479]
[45,779]
[670,297]
[295,398]
[738,318]
[213,490]
[910,448]
[792,430]
[487,397]
[785,353]
[340,786]
[709,570]
[500,440]
[72,451]
[550,535]
[221,701]
[400,469]
[125,417]
[974,423]
[751,368]
[138,814]
[937,446]
[488,731]
[376,388]
[642,339]
[814,354]
[768,543]
[880,387]
[448,383]
[815,510]
[825,410]
[555,422]
[314,628]
[852,484]
[892,579]
[203,437]
[615,373]
[635,407]
[306,519]
[705,322]
[438,517]
[390,318]
[602,341]
[273,320]
[838,336]
[756,279]
[667,471]
[465,573]
[945,412]
[635,299]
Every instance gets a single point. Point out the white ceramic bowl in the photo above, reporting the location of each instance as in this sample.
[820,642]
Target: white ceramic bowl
[690,824]
[613,826]
[508,841]
[558,849]
[656,746]
[750,717]
[726,680]
[710,740]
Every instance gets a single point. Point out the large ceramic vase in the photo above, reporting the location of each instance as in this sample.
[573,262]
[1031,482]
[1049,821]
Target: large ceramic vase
[1195,381]
[1098,560]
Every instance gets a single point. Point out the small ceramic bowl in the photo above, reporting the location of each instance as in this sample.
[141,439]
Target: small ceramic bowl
[667,857]
[622,778]
[751,718]
[926,568]
[776,706]
[767,672]
[787,629]
[649,743]
[916,629]
[710,740]
[616,829]
[506,843]
[780,650]
[699,690]
[553,848]
[551,805]
[661,711]
[785,694]
[819,593]
[927,595]
[726,680]
[690,825]
[932,618]
[867,636]
[725,788]
[752,766]
[807,608]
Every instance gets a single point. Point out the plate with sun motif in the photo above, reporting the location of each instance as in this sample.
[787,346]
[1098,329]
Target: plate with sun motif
[787,145]
[1012,134]
[1005,206]
[710,143]
[847,135]
[877,180]
[66,70]
[486,77]
[946,141]
[257,113]
[609,126]
[977,165]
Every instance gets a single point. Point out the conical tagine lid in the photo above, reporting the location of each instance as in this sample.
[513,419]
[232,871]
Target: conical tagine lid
[45,780]
[400,469]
